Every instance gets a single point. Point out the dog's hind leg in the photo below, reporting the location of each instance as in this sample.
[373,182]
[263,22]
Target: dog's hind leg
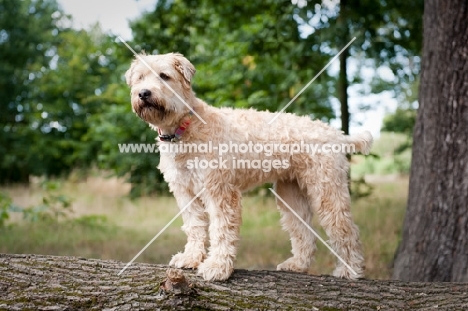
[335,217]
[195,226]
[302,239]
[223,204]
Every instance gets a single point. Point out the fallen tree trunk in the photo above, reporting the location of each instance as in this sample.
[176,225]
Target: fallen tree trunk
[35,282]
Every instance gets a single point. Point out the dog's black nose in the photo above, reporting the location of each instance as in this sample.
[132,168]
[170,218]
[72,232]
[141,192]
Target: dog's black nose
[144,94]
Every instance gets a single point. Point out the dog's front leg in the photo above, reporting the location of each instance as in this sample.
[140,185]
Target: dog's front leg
[223,205]
[195,226]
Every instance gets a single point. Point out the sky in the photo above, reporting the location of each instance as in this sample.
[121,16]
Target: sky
[114,15]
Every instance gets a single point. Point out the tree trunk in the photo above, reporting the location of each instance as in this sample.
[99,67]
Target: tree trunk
[343,74]
[343,92]
[435,232]
[34,282]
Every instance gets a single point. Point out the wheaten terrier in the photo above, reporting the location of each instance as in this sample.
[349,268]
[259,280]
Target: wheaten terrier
[225,151]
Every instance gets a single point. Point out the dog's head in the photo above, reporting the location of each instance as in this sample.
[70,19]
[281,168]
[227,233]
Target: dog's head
[160,87]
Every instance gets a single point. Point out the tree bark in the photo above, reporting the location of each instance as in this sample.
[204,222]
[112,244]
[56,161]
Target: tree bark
[343,92]
[435,232]
[343,74]
[34,282]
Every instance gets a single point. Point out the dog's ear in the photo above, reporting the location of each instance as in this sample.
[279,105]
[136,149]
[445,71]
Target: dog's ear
[128,76]
[184,67]
[129,73]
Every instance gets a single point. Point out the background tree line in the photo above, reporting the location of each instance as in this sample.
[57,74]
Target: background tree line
[66,106]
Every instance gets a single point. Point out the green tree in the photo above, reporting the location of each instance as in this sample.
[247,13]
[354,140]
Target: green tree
[52,81]
[388,33]
[401,121]
[28,30]
[68,94]
[247,54]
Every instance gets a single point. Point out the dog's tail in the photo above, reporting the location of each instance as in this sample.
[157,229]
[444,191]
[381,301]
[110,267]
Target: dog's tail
[362,142]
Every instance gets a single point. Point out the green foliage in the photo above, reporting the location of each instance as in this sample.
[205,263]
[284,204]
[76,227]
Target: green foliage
[54,206]
[51,83]
[387,160]
[401,121]
[388,34]
[247,55]
[6,207]
[27,32]
[69,94]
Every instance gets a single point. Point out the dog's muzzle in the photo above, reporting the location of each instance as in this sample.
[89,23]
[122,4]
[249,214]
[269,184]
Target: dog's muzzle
[144,94]
[149,107]
[146,100]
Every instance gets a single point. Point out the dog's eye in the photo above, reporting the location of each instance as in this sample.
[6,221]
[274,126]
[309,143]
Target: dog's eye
[164,76]
[140,77]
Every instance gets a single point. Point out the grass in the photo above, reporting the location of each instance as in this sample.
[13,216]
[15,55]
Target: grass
[388,159]
[106,224]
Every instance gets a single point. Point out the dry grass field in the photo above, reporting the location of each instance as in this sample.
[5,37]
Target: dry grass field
[105,223]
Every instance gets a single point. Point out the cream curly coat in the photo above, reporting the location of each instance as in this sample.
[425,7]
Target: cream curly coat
[309,183]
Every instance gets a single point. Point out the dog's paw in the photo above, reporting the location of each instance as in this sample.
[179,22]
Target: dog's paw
[293,264]
[216,269]
[187,260]
[346,273]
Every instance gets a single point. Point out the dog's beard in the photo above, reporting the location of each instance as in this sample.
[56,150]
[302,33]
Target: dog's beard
[151,109]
